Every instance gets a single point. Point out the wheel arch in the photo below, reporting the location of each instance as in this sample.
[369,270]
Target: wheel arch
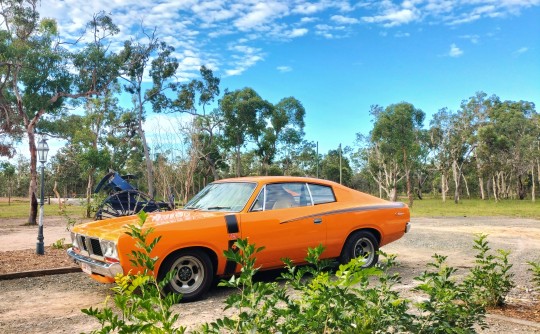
[211,254]
[376,233]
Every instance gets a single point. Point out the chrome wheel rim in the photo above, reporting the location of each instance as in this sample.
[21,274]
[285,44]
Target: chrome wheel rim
[364,248]
[188,274]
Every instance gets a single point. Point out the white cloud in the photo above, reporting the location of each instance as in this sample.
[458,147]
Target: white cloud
[284,69]
[260,14]
[401,34]
[205,27]
[521,50]
[243,57]
[343,19]
[472,38]
[455,51]
[392,18]
[298,32]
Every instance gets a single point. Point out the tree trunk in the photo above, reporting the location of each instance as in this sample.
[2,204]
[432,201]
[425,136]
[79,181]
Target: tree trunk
[32,189]
[393,194]
[55,191]
[443,187]
[533,191]
[409,190]
[521,189]
[457,180]
[466,186]
[380,185]
[495,191]
[480,178]
[89,187]
[481,186]
[149,164]
[238,162]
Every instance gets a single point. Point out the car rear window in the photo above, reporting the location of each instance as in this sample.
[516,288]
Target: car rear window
[321,194]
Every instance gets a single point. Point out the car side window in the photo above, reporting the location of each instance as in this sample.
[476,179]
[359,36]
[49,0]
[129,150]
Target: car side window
[281,196]
[321,194]
[258,204]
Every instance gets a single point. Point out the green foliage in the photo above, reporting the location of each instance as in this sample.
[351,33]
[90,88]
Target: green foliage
[59,244]
[139,298]
[449,306]
[353,300]
[535,269]
[490,280]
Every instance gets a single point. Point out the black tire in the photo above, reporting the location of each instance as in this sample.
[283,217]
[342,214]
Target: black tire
[193,276]
[361,243]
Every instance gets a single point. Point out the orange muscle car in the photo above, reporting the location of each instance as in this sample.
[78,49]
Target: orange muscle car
[286,215]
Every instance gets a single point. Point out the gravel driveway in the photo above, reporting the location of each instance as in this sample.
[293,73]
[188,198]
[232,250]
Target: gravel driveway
[52,304]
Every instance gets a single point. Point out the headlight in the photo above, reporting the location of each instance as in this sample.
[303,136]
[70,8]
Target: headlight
[109,249]
[74,240]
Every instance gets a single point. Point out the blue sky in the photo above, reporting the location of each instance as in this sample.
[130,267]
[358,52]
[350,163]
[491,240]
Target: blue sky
[340,57]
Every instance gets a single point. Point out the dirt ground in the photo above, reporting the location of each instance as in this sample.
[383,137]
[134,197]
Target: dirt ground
[52,304]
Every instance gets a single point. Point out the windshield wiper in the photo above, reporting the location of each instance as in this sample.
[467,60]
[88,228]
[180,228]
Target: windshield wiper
[192,208]
[218,208]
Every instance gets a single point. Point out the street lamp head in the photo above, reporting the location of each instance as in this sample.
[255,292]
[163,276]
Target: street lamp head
[42,150]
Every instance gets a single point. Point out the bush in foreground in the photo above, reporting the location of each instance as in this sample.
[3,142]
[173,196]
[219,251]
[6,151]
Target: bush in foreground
[314,299]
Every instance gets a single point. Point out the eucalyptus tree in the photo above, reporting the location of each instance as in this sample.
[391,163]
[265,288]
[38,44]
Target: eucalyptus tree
[206,88]
[8,175]
[395,136]
[383,168]
[284,131]
[451,136]
[474,116]
[152,59]
[41,75]
[505,144]
[301,160]
[244,115]
[206,133]
[96,127]
[336,167]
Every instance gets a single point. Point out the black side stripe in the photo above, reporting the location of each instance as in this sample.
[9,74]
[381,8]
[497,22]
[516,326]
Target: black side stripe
[230,266]
[232,224]
[232,227]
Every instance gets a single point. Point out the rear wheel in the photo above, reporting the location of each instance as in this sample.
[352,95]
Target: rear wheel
[361,244]
[193,274]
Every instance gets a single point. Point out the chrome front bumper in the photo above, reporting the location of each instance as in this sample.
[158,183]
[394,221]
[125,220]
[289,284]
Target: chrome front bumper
[96,267]
[407,227]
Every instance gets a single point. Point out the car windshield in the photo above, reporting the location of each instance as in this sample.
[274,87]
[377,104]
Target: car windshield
[227,196]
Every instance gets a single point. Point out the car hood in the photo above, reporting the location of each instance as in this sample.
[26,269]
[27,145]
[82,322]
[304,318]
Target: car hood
[112,229]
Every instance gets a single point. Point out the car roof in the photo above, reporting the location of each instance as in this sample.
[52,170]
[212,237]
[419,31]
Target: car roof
[276,179]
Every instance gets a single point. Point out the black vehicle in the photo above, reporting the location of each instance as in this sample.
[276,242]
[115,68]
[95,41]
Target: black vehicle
[124,199]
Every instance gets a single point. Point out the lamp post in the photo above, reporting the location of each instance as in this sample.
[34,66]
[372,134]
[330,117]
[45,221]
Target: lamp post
[42,150]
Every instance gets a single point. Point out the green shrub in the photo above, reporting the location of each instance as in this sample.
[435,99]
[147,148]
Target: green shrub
[141,307]
[59,244]
[535,269]
[490,280]
[321,302]
[314,299]
[353,300]
[449,307]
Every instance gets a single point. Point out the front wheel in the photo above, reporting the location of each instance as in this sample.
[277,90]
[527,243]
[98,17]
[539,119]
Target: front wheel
[193,274]
[361,244]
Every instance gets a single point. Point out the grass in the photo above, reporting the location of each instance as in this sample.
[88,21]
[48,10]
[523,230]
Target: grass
[475,208]
[422,208]
[20,208]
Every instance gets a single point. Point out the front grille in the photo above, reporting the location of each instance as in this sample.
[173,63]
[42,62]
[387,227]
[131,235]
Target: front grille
[96,247]
[83,243]
[90,245]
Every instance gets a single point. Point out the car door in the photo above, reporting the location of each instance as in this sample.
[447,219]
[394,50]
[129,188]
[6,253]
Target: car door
[284,221]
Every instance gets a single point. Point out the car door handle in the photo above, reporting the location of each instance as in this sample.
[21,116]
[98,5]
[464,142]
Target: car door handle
[317,220]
